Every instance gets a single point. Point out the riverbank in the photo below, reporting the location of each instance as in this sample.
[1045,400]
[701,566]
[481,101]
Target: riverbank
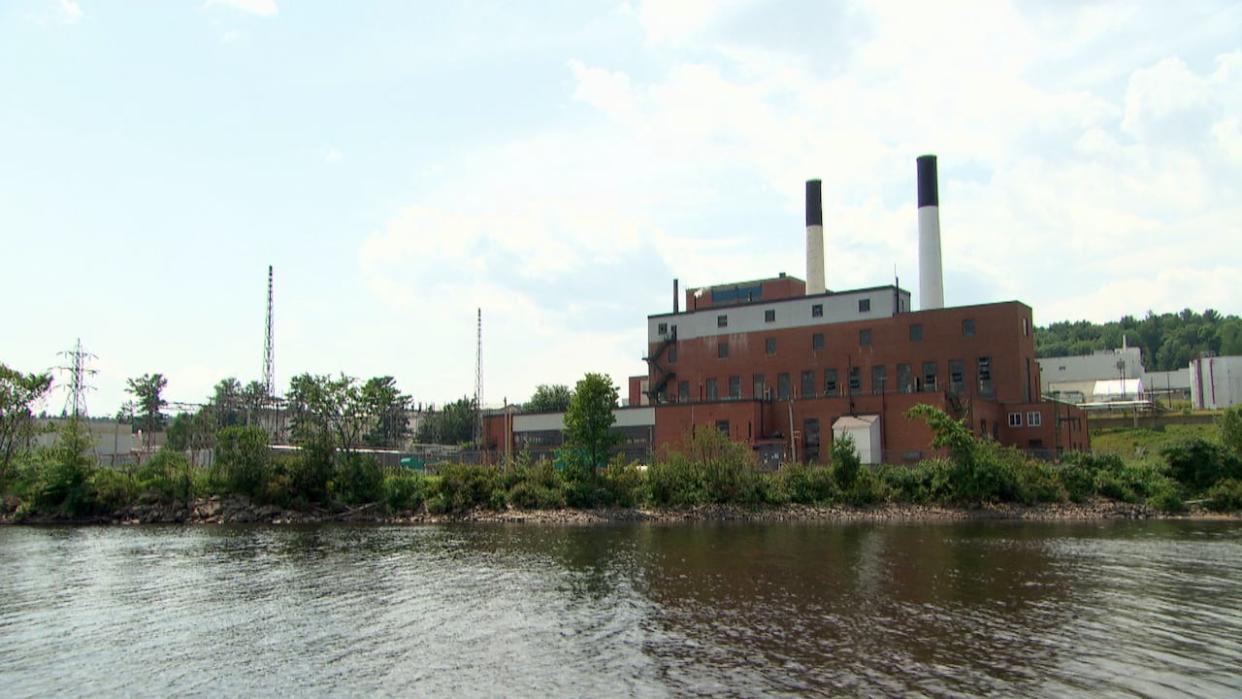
[240,510]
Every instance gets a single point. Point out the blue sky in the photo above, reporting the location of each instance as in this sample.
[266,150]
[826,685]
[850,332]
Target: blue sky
[401,164]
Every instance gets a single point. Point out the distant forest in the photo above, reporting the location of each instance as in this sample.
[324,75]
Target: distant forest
[1168,341]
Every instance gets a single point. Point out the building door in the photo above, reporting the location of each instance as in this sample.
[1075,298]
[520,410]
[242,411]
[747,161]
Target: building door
[810,437]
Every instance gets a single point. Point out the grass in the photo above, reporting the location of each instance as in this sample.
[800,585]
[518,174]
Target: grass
[1141,442]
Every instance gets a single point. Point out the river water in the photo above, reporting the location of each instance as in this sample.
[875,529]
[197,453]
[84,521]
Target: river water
[1049,609]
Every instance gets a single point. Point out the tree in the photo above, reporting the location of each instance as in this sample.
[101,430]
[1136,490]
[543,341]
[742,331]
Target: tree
[549,398]
[589,418]
[326,412]
[146,390]
[18,394]
[227,401]
[453,424]
[1230,423]
[253,398]
[386,408]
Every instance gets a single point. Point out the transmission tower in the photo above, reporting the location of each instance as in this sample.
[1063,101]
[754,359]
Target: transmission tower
[269,352]
[478,383]
[76,388]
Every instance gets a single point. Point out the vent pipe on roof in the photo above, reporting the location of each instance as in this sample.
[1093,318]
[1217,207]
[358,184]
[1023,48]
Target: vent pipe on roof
[814,239]
[931,277]
[676,299]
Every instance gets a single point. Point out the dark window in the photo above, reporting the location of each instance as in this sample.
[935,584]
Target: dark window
[723,426]
[672,354]
[722,349]
[1035,418]
[985,376]
[817,310]
[782,386]
[713,390]
[864,305]
[968,328]
[830,383]
[1026,327]
[929,376]
[662,329]
[683,391]
[916,332]
[957,376]
[1015,419]
[735,387]
[769,316]
[817,341]
[855,380]
[879,376]
[722,321]
[864,338]
[769,345]
[808,384]
[758,386]
[905,379]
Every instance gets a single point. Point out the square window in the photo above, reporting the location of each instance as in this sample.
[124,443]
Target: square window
[769,316]
[723,426]
[662,329]
[722,350]
[864,305]
[916,332]
[864,338]
[817,310]
[769,345]
[817,341]
[722,321]
[1015,419]
[968,327]
[1034,419]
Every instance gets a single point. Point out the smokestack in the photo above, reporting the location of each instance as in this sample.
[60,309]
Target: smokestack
[814,239]
[931,277]
[676,299]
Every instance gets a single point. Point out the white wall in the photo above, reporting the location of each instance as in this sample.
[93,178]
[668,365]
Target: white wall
[1216,382]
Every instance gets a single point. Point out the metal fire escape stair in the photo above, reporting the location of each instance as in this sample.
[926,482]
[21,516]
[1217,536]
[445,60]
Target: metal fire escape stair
[663,376]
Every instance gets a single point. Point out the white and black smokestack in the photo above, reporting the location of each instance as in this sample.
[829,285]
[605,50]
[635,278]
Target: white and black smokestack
[814,238]
[931,276]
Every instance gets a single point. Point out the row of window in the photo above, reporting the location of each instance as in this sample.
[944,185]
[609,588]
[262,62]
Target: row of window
[864,336]
[1033,419]
[928,380]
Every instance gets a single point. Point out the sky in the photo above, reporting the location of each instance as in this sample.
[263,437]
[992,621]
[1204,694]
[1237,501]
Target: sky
[558,164]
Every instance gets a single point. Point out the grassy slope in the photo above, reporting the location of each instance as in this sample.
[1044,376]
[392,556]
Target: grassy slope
[1126,442]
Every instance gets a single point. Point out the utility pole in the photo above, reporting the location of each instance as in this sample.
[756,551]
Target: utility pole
[269,351]
[478,383]
[75,398]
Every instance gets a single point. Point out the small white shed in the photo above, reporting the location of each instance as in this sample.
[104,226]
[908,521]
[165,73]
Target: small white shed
[865,431]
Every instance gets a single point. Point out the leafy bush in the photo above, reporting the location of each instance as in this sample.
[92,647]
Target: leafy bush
[1226,495]
[467,487]
[167,475]
[705,467]
[1230,426]
[243,457]
[1198,463]
[806,485]
[624,483]
[60,481]
[359,479]
[113,490]
[845,462]
[404,490]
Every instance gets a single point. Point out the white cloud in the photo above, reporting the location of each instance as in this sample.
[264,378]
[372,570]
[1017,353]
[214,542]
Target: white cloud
[333,155]
[70,11]
[262,8]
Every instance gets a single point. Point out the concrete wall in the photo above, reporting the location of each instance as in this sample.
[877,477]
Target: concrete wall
[1216,382]
[1091,367]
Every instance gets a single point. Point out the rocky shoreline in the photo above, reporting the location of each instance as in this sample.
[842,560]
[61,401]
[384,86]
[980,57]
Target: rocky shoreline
[239,510]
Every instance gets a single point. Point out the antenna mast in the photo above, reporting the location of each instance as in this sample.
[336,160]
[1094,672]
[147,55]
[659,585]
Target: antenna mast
[269,352]
[75,400]
[478,383]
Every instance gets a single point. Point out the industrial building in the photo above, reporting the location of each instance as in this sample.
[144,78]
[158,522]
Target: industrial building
[1216,382]
[785,364]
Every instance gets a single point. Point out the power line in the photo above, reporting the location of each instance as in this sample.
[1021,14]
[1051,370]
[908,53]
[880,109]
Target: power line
[75,390]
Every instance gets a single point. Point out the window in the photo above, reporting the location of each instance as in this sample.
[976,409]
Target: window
[683,391]
[1026,327]
[817,310]
[735,387]
[929,376]
[769,316]
[723,426]
[817,341]
[758,386]
[957,376]
[808,384]
[916,332]
[769,345]
[722,321]
[713,390]
[968,327]
[672,354]
[722,350]
[905,379]
[1034,419]
[783,386]
[662,329]
[855,380]
[864,305]
[830,383]
[864,338]
[985,376]
[1015,419]
[879,375]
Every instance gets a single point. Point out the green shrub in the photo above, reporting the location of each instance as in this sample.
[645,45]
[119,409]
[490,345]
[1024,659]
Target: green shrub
[774,487]
[1198,463]
[845,462]
[113,490]
[404,491]
[60,481]
[167,475]
[1166,496]
[1230,426]
[925,483]
[866,489]
[624,483]
[807,485]
[312,469]
[1225,496]
[359,479]
[243,457]
[1037,482]
[674,481]
[467,487]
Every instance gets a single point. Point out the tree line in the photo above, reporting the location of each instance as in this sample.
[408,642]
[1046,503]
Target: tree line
[1168,341]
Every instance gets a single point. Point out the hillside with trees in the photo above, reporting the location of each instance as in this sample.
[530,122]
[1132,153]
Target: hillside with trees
[1168,341]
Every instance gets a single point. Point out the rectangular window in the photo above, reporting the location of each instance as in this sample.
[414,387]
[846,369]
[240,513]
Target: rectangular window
[713,390]
[723,426]
[1034,419]
[817,341]
[879,376]
[1026,327]
[722,321]
[672,354]
[855,380]
[968,327]
[769,345]
[817,310]
[758,386]
[808,384]
[683,391]
[769,316]
[783,386]
[905,379]
[929,377]
[830,383]
[662,329]
[957,376]
[916,332]
[864,305]
[1015,419]
[864,338]
[985,376]
[722,350]
[735,387]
